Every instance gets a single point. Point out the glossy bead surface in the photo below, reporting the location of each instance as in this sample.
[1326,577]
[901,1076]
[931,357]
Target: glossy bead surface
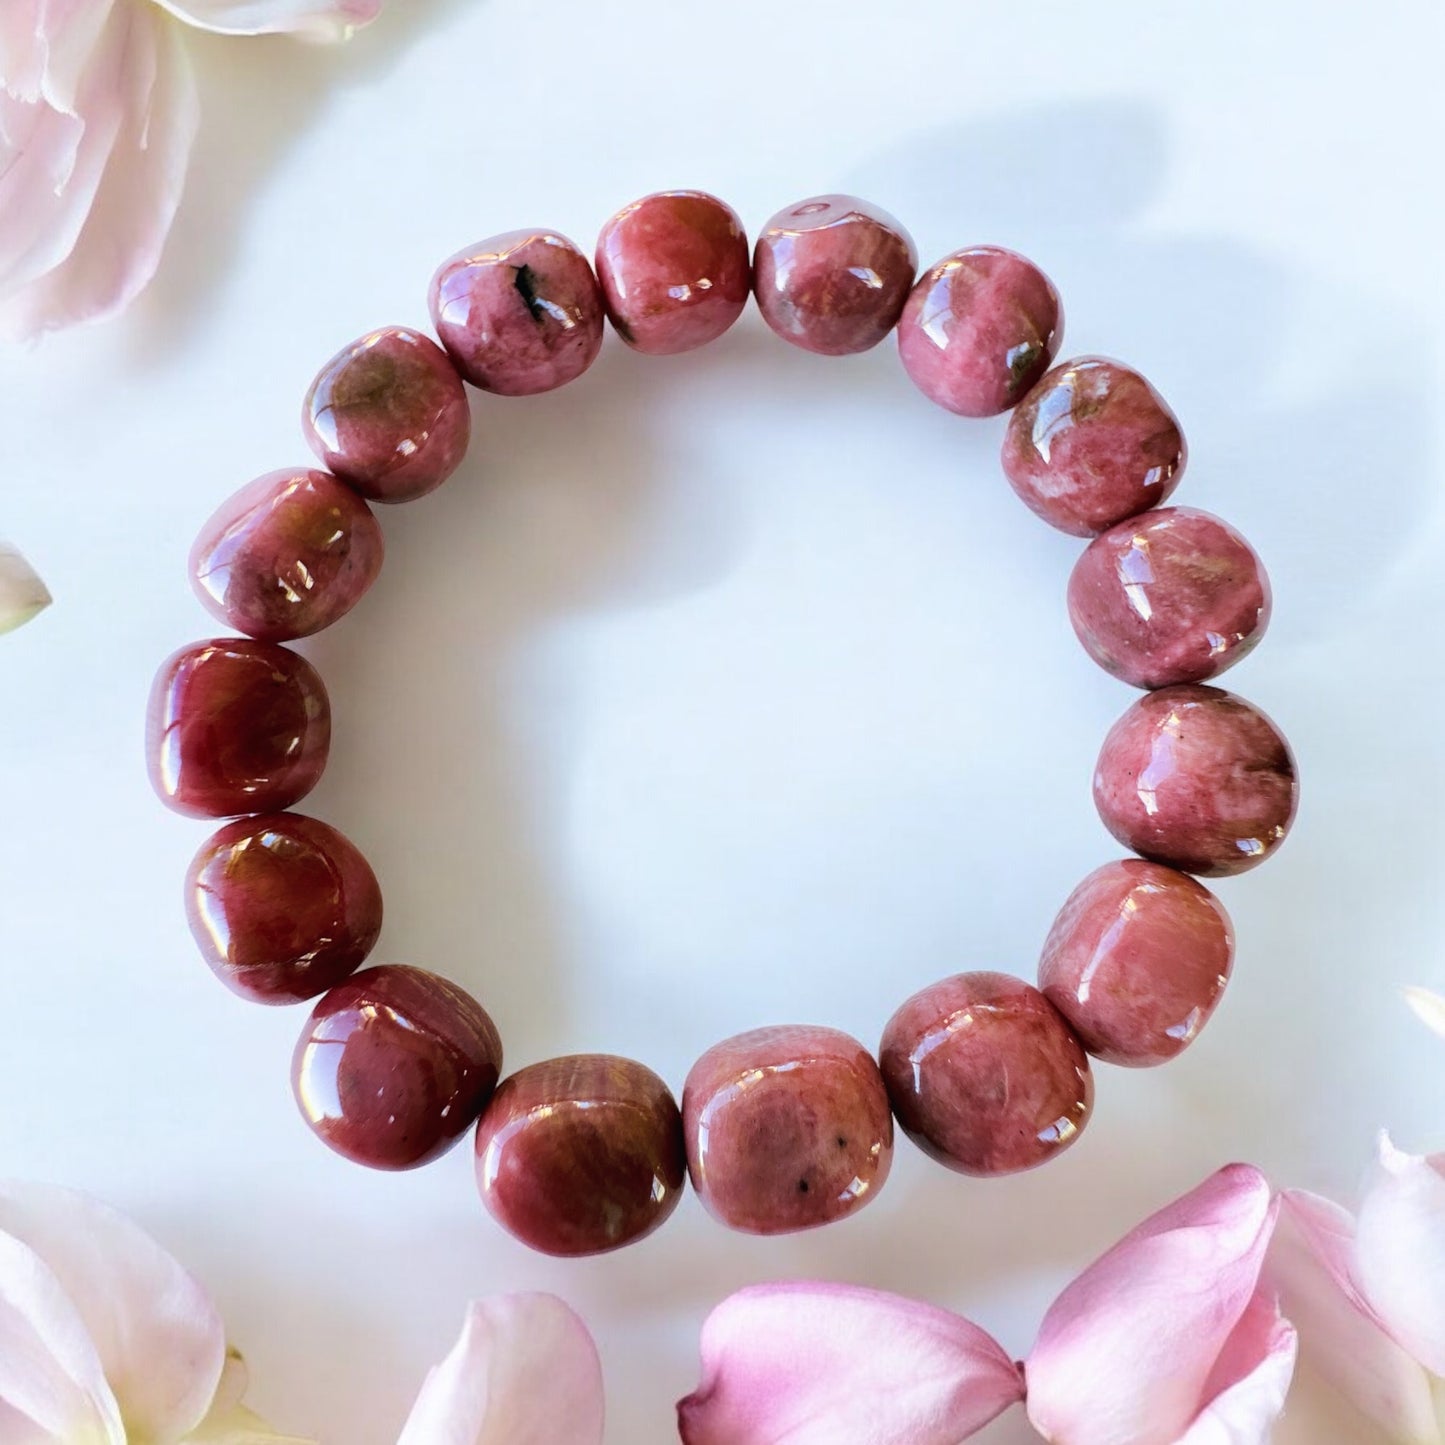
[1137,961]
[1092,444]
[675,271]
[286,556]
[831,274]
[984,1074]
[236,726]
[394,1066]
[282,907]
[1197,778]
[389,414]
[979,329]
[582,1154]
[786,1128]
[520,313]
[1171,596]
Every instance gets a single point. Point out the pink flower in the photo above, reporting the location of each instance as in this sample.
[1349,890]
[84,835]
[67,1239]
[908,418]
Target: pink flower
[1168,1339]
[97,115]
[1369,1292]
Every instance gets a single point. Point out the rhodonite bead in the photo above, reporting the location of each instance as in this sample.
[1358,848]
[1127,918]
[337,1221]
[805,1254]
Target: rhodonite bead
[1197,778]
[985,1075]
[786,1128]
[394,1066]
[286,556]
[520,313]
[389,414]
[979,329]
[236,726]
[675,271]
[1137,960]
[1171,596]
[1093,443]
[831,274]
[582,1154]
[282,907]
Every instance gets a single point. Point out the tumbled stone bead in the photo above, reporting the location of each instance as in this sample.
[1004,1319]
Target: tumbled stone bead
[1171,596]
[979,329]
[1197,778]
[1137,960]
[675,271]
[236,726]
[389,415]
[282,907]
[394,1066]
[580,1155]
[984,1074]
[1092,444]
[831,274]
[786,1128]
[286,556]
[520,313]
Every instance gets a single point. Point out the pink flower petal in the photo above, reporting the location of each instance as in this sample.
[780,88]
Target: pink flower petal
[1400,1250]
[1126,1355]
[312,19]
[157,1336]
[524,1372]
[1250,1380]
[821,1364]
[1429,1008]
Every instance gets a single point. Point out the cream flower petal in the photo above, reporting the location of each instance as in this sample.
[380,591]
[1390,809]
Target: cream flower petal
[1429,1008]
[22,593]
[311,19]
[158,1338]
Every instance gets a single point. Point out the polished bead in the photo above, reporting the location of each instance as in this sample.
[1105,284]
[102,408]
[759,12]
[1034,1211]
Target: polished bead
[1137,961]
[675,271]
[786,1128]
[520,313]
[985,1075]
[394,1066]
[236,726]
[979,329]
[582,1154]
[286,556]
[389,414]
[831,274]
[1092,444]
[1170,596]
[282,907]
[1197,778]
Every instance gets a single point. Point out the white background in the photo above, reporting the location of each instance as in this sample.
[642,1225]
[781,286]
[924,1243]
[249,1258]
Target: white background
[737,688]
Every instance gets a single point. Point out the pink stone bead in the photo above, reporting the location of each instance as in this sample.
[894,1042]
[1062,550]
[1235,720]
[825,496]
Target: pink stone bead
[831,274]
[389,415]
[786,1128]
[1197,778]
[1092,444]
[1137,960]
[1167,597]
[675,271]
[580,1155]
[520,313]
[282,907]
[286,556]
[985,1075]
[394,1066]
[236,726]
[979,329]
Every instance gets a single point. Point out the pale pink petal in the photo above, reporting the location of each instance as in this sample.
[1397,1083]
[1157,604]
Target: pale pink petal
[46,45]
[157,1335]
[1251,1378]
[524,1372]
[22,594]
[1311,1262]
[1400,1250]
[1429,1008]
[312,19]
[1126,1353]
[821,1364]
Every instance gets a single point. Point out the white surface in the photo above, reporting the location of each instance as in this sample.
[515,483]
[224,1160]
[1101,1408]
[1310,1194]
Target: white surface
[737,688]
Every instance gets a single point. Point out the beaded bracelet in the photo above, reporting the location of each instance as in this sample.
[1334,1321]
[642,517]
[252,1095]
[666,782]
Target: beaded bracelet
[780,1128]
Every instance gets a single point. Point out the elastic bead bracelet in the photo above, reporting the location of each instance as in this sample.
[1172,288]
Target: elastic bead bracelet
[780,1128]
